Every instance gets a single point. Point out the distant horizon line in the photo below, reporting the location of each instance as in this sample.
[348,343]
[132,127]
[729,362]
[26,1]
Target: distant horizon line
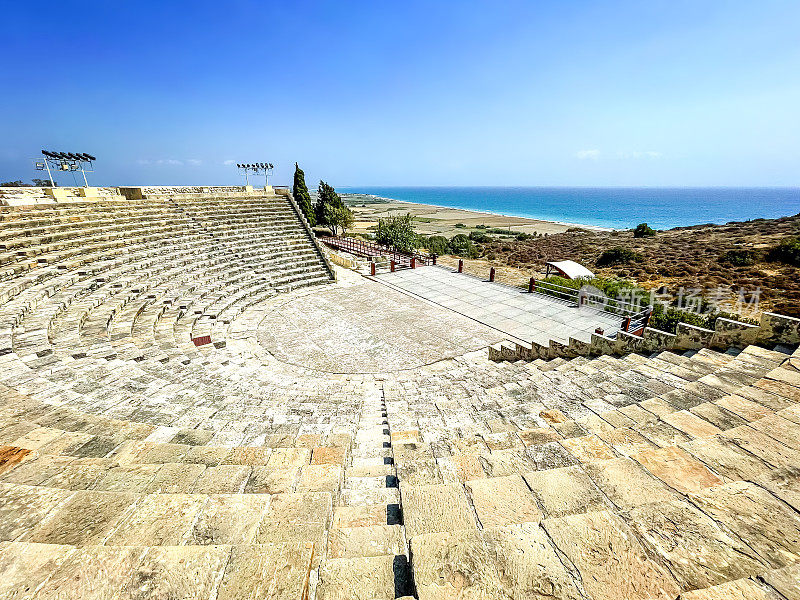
[593,187]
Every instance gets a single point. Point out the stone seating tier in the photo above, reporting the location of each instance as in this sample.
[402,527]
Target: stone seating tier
[140,459]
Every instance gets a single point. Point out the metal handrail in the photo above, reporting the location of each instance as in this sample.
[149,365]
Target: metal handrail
[370,249]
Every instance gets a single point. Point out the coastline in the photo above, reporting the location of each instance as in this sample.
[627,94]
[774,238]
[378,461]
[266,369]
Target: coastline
[433,219]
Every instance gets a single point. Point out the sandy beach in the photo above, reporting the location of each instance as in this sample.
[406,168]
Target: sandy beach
[442,220]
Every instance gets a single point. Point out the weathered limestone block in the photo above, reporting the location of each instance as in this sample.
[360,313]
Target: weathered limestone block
[729,333]
[550,456]
[289,457]
[189,572]
[699,553]
[783,430]
[565,491]
[22,508]
[626,483]
[453,565]
[783,483]
[677,469]
[785,580]
[778,329]
[365,516]
[279,571]
[587,448]
[251,456]
[174,478]
[505,462]
[225,479]
[690,337]
[24,566]
[94,572]
[320,478]
[328,455]
[436,508]
[84,520]
[504,563]
[764,523]
[158,520]
[762,446]
[655,340]
[272,480]
[419,472]
[376,540]
[612,563]
[503,501]
[626,441]
[726,458]
[370,578]
[228,519]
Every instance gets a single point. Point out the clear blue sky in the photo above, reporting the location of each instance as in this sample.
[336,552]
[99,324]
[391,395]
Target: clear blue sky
[662,92]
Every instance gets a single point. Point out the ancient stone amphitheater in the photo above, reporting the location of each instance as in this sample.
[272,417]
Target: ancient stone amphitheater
[185,413]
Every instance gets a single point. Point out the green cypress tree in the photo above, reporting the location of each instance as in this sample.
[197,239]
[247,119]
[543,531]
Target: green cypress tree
[301,195]
[331,210]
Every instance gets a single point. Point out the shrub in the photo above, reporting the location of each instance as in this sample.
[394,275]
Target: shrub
[643,230]
[521,237]
[461,245]
[787,251]
[739,258]
[491,256]
[480,226]
[397,232]
[618,256]
[479,236]
[460,226]
[436,244]
[500,231]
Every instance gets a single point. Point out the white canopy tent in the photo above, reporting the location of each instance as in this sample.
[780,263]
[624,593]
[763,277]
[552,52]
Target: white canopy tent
[569,269]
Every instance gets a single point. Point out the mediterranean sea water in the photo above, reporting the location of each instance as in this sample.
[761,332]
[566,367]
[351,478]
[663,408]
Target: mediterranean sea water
[661,208]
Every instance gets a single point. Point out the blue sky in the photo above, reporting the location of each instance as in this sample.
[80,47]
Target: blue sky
[656,93]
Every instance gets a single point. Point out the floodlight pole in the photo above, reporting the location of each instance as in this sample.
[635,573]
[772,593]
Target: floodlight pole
[246,179]
[47,166]
[266,177]
[85,183]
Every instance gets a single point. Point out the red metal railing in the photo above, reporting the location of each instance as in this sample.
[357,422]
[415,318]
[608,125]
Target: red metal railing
[369,249]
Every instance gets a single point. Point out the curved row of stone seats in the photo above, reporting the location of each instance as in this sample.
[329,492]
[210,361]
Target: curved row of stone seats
[707,512]
[257,228]
[645,485]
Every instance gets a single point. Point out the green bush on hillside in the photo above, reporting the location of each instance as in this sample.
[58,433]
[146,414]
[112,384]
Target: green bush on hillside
[461,245]
[479,236]
[618,256]
[436,244]
[643,230]
[787,251]
[739,257]
[397,232]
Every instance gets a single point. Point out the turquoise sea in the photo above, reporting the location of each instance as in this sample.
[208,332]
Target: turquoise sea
[661,208]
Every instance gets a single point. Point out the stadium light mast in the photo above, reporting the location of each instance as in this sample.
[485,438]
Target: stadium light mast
[256,168]
[65,161]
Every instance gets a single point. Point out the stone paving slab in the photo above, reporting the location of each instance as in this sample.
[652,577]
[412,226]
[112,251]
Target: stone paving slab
[366,328]
[611,562]
[699,553]
[763,522]
[436,508]
[529,317]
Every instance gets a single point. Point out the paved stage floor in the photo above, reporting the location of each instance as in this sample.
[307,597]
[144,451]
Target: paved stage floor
[528,317]
[359,326]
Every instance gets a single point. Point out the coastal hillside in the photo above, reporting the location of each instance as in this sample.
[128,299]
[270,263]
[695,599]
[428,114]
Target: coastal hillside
[734,255]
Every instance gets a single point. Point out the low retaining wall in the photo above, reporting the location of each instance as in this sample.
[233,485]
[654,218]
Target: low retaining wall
[772,329]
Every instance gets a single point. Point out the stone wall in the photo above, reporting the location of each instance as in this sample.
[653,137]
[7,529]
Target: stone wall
[773,329]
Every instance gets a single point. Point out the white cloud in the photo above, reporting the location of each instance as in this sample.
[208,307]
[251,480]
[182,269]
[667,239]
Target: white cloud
[194,162]
[588,154]
[228,162]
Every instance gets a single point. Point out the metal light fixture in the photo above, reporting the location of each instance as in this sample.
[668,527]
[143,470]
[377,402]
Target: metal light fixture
[65,161]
